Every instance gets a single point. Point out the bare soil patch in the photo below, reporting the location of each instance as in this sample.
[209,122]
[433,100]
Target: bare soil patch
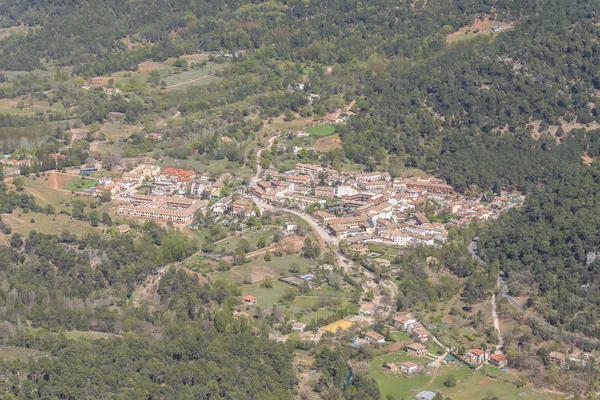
[201,279]
[328,143]
[587,159]
[484,382]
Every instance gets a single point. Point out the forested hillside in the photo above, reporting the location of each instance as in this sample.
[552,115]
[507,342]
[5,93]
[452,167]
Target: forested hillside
[189,363]
[548,249]
[481,112]
[88,34]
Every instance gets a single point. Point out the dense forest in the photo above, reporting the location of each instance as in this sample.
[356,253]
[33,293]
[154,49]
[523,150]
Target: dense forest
[188,363]
[549,250]
[485,113]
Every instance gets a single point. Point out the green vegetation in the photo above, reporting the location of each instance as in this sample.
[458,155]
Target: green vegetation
[546,249]
[83,183]
[321,130]
[87,82]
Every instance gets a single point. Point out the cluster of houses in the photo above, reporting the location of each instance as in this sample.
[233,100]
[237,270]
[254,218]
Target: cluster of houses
[373,207]
[408,323]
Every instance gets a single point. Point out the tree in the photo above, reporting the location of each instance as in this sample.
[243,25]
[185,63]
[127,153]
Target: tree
[310,250]
[267,256]
[450,381]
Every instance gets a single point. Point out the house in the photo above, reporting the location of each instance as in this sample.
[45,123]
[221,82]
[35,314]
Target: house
[425,395]
[382,262]
[392,367]
[421,219]
[289,227]
[177,175]
[141,172]
[226,140]
[359,248]
[404,320]
[557,358]
[416,349]
[421,334]
[475,356]
[243,208]
[326,192]
[308,169]
[498,360]
[248,299]
[409,367]
[374,337]
[298,327]
[89,169]
[367,310]
[123,229]
[298,179]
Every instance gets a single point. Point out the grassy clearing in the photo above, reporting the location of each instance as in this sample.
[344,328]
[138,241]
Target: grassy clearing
[504,387]
[27,107]
[6,32]
[47,224]
[321,130]
[92,335]
[83,183]
[192,77]
[13,353]
[258,269]
[266,297]
[478,28]
[46,190]
[252,235]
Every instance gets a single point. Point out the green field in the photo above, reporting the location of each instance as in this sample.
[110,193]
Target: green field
[321,130]
[266,297]
[83,183]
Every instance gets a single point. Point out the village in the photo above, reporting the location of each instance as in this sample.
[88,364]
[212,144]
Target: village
[363,207]
[348,212]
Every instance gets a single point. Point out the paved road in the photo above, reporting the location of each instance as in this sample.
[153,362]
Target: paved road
[325,238]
